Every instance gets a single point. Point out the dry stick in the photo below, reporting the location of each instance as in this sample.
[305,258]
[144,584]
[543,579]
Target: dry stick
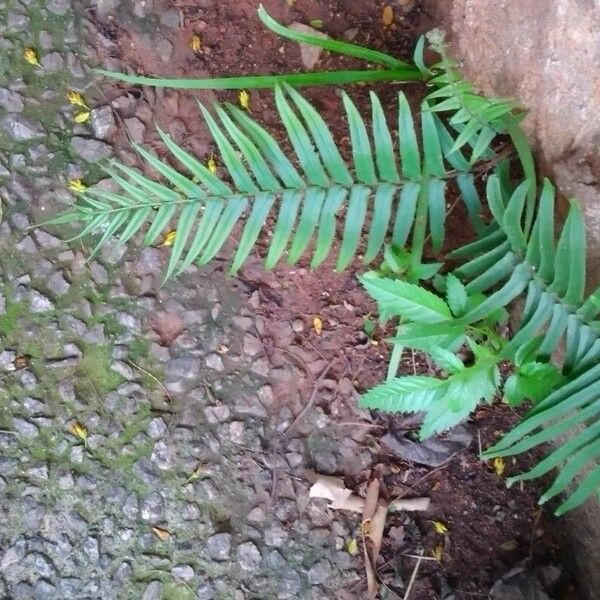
[413,576]
[532,539]
[311,399]
[160,383]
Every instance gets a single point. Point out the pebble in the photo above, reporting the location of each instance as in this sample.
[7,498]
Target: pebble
[218,546]
[21,129]
[90,150]
[38,303]
[11,101]
[136,129]
[102,121]
[52,62]
[249,557]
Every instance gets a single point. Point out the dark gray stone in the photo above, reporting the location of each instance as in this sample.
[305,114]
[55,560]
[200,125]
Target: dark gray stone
[21,129]
[219,546]
[11,101]
[90,150]
[102,121]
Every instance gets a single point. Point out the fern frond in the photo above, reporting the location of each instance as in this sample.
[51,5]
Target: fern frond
[397,188]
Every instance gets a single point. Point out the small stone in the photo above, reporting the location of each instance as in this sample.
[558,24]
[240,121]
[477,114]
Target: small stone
[13,555]
[261,367]
[76,454]
[219,546]
[153,591]
[153,507]
[297,325]
[252,345]
[320,573]
[249,557]
[16,22]
[206,591]
[149,262]
[275,536]
[99,273]
[91,547]
[38,303]
[309,54]
[27,245]
[163,455]
[38,563]
[66,481]
[45,240]
[7,360]
[216,414]
[183,572]
[171,18]
[11,101]
[24,427]
[90,150]
[21,129]
[256,515]
[214,362]
[58,7]
[102,121]
[52,62]
[186,368]
[57,284]
[164,49]
[136,129]
[157,428]
[131,507]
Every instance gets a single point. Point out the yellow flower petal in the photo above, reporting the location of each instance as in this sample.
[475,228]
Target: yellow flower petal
[79,430]
[211,165]
[30,55]
[499,466]
[318,325]
[76,185]
[196,43]
[161,533]
[76,99]
[82,117]
[440,527]
[169,238]
[244,99]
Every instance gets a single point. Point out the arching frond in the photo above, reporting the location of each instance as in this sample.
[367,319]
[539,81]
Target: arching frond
[306,198]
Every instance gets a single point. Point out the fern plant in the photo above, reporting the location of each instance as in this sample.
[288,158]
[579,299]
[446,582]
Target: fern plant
[503,264]
[395,192]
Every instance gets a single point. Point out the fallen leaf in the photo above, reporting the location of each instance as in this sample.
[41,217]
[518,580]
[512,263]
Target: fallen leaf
[510,545]
[76,185]
[333,489]
[438,552]
[169,238]
[196,473]
[397,535]
[161,533]
[388,16]
[499,466]
[82,117]
[316,23]
[352,547]
[211,165]
[244,99]
[318,325]
[30,55]
[76,99]
[21,362]
[440,527]
[196,43]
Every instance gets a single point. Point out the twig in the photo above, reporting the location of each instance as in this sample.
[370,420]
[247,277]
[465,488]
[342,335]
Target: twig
[532,539]
[311,399]
[413,575]
[153,377]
